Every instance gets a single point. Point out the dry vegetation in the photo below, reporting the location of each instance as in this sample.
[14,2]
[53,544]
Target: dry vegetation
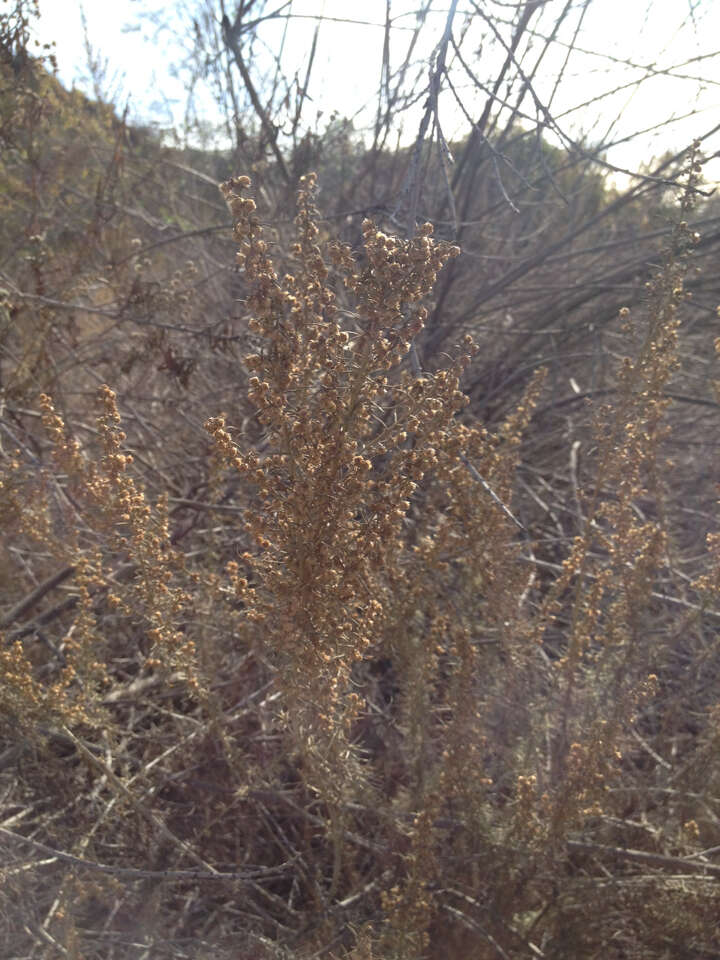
[336,619]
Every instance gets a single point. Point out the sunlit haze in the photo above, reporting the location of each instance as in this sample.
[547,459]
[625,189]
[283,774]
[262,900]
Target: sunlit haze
[671,47]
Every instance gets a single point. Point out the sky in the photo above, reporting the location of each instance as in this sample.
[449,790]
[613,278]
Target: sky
[656,36]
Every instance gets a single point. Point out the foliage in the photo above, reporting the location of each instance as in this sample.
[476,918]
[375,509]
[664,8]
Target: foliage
[282,674]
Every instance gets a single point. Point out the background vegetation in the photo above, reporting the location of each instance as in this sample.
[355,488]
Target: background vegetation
[359,564]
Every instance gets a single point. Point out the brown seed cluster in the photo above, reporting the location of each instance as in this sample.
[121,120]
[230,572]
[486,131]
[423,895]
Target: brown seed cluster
[352,440]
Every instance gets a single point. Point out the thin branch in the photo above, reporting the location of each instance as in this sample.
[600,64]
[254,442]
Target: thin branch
[641,856]
[134,873]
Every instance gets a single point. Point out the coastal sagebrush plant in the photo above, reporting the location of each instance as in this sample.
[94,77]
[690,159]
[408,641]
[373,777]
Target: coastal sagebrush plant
[312,690]
[369,538]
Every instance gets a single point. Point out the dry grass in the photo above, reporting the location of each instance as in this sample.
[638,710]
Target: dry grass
[379,729]
[299,657]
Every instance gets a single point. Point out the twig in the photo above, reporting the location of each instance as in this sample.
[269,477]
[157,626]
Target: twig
[230,35]
[147,814]
[37,594]
[641,856]
[133,873]
[490,492]
[655,594]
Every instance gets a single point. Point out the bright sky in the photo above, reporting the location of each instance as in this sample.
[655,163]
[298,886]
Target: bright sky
[655,35]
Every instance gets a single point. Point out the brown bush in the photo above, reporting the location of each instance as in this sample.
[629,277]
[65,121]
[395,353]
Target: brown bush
[352,715]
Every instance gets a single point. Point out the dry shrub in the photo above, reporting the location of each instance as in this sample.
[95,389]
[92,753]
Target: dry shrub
[378,728]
